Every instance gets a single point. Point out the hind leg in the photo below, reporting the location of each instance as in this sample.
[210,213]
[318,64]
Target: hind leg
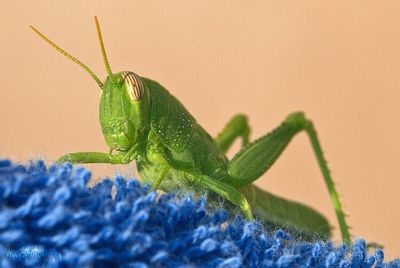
[257,157]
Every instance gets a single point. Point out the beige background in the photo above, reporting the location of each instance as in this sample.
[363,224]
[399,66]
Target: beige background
[337,61]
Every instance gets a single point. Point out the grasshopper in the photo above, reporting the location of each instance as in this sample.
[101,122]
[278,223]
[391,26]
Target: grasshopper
[142,122]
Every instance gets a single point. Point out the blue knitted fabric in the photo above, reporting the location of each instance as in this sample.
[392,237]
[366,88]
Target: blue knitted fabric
[50,218]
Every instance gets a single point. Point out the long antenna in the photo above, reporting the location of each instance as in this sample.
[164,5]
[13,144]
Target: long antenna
[69,56]
[103,51]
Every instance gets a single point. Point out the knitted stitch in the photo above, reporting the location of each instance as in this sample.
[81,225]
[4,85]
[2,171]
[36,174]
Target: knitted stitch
[49,217]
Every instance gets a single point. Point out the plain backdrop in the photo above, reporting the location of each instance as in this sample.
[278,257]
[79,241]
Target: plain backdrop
[338,61]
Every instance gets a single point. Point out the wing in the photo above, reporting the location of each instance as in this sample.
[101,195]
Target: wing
[169,118]
[298,218]
[180,133]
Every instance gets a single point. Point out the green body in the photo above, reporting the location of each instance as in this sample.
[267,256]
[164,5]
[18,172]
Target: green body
[142,122]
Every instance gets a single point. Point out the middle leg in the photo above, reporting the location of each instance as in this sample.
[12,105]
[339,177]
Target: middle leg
[235,128]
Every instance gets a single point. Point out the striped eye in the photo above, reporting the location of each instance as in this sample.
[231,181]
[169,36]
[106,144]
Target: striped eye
[134,85]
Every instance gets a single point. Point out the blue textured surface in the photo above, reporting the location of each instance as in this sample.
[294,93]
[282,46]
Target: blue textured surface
[50,218]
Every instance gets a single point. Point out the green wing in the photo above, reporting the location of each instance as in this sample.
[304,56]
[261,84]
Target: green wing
[178,130]
[299,219]
[169,118]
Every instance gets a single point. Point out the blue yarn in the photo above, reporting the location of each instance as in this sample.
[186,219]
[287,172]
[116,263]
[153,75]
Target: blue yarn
[50,218]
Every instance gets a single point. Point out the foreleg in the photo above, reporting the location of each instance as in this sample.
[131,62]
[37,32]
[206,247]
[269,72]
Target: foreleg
[93,157]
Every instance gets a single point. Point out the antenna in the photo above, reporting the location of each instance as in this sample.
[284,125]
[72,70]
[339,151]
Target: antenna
[69,56]
[103,51]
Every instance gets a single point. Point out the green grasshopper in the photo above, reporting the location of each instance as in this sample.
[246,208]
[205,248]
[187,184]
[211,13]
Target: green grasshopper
[142,122]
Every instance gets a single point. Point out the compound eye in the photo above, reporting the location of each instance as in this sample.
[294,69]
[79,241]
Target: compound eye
[134,85]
